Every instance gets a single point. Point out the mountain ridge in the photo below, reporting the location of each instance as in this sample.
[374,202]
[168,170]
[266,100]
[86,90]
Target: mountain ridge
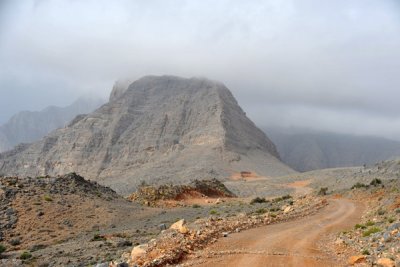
[311,150]
[30,126]
[162,129]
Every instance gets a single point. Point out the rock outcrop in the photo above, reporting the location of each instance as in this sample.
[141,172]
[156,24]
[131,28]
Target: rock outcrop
[161,129]
[150,195]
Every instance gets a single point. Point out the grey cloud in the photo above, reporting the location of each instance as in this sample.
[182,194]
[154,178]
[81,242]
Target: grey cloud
[329,65]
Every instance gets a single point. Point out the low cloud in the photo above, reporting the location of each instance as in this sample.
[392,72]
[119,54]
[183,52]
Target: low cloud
[324,65]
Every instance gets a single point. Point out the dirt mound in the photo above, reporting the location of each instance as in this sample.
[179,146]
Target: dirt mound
[151,195]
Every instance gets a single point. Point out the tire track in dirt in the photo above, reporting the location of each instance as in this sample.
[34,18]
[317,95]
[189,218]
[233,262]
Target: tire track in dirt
[293,243]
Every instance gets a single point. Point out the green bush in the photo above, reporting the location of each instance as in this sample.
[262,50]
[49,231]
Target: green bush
[359,185]
[369,223]
[214,212]
[376,182]
[365,252]
[371,231]
[47,198]
[15,241]
[278,199]
[360,226]
[258,200]
[195,206]
[98,237]
[381,211]
[2,248]
[260,211]
[323,191]
[25,255]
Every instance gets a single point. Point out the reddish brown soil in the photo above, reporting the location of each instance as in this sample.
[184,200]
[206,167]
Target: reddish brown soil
[293,243]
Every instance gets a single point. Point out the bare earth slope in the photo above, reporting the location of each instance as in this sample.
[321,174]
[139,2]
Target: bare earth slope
[293,243]
[161,129]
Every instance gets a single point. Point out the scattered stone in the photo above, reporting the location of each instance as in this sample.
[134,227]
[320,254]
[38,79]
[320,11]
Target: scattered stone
[356,259]
[180,226]
[163,226]
[385,262]
[287,209]
[138,252]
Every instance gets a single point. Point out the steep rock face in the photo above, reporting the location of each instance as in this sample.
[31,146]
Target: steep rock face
[119,88]
[162,129]
[30,126]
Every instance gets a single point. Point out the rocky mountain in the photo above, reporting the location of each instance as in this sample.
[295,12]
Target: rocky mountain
[30,126]
[161,129]
[311,150]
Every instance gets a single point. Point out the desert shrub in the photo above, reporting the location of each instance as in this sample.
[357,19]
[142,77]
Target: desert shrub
[47,198]
[260,211]
[285,197]
[391,220]
[323,191]
[2,248]
[196,206]
[213,212]
[25,255]
[365,252]
[381,211]
[98,237]
[274,209]
[371,231]
[376,182]
[258,200]
[359,226]
[359,185]
[369,223]
[273,215]
[15,241]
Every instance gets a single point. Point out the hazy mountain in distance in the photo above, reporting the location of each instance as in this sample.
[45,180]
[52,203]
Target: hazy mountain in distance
[311,150]
[30,126]
[161,129]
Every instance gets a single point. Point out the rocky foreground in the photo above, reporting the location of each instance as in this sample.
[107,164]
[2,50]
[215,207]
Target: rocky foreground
[181,240]
[376,238]
[69,221]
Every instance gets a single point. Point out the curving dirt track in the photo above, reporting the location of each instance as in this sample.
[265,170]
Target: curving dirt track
[292,243]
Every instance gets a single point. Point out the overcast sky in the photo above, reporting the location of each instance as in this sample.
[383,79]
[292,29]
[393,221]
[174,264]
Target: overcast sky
[330,65]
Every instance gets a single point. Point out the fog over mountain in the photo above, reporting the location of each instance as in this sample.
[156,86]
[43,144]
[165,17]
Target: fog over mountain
[29,126]
[306,150]
[325,65]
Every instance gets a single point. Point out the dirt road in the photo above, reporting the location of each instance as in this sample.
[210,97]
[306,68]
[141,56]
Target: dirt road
[294,243]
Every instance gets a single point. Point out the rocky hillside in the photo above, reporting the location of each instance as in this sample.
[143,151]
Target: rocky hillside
[375,240]
[305,151]
[161,129]
[29,126]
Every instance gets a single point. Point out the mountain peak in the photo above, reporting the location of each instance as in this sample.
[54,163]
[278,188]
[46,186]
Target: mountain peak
[159,129]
